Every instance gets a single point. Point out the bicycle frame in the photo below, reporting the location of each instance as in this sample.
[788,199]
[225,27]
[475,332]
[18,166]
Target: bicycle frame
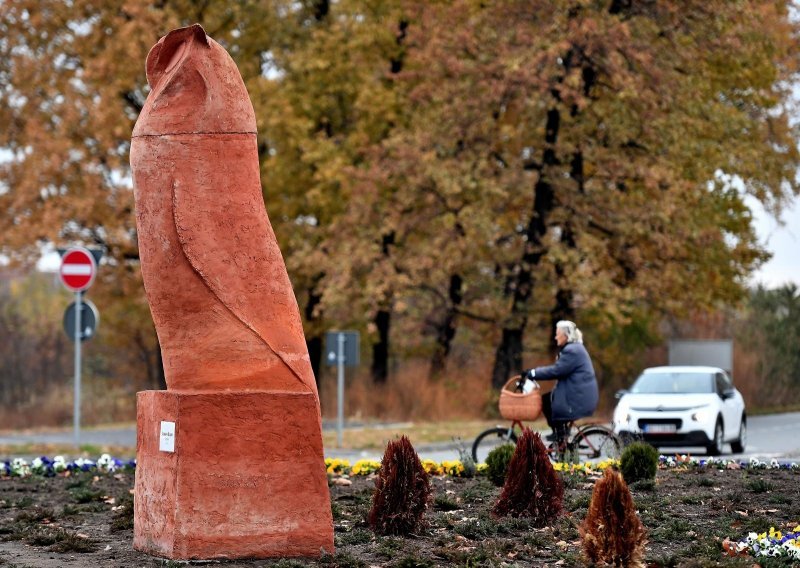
[585,442]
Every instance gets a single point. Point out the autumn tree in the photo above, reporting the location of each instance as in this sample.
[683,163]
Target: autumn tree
[771,327]
[437,173]
[616,142]
[327,96]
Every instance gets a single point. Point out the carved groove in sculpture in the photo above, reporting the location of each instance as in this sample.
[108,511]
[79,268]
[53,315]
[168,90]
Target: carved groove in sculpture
[221,299]
[246,476]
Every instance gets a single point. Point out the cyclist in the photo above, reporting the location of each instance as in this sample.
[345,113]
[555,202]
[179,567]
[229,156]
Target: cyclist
[575,394]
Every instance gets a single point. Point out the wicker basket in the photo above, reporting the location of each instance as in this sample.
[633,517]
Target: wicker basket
[517,405]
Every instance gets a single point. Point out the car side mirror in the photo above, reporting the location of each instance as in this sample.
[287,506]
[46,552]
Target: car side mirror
[620,393]
[727,393]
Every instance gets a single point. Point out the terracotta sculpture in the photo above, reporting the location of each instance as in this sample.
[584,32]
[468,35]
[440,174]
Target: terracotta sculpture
[241,392]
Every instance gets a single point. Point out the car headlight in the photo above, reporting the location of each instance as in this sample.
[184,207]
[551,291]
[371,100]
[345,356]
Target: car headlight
[701,415]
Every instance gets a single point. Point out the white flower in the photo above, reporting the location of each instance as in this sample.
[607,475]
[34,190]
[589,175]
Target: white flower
[59,464]
[80,462]
[20,467]
[773,464]
[106,463]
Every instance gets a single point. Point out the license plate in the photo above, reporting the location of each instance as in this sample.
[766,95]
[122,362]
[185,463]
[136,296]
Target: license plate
[660,428]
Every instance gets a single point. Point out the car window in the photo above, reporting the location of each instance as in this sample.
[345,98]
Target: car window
[674,383]
[721,385]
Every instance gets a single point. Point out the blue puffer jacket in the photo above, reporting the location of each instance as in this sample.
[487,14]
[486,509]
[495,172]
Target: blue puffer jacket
[576,394]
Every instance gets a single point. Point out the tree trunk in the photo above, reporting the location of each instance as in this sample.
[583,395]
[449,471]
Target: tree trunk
[380,350]
[383,319]
[160,375]
[508,357]
[315,347]
[564,308]
[314,342]
[446,328]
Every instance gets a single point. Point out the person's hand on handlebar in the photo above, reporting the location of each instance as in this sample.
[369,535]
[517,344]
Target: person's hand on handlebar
[526,383]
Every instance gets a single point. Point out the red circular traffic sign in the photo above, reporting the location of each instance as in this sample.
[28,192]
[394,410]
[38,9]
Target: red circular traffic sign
[78,269]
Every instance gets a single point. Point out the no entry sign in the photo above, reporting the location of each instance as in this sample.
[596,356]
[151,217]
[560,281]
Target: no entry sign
[78,269]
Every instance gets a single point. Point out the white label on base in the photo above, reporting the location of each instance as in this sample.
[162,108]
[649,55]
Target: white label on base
[167,439]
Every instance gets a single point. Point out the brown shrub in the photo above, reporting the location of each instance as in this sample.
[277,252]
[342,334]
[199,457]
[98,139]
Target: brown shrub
[532,487]
[612,533]
[410,394]
[402,491]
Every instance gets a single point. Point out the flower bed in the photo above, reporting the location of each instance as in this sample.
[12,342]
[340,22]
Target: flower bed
[687,461]
[46,466]
[772,544]
[698,512]
[20,467]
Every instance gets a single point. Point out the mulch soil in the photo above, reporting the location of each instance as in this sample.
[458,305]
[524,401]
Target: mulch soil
[86,520]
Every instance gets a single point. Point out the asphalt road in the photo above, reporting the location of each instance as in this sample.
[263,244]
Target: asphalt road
[771,436]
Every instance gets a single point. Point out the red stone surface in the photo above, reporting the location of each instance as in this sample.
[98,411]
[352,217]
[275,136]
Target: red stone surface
[246,480]
[221,299]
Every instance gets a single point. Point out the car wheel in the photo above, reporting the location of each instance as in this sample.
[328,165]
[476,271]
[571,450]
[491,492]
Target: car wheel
[740,444]
[715,447]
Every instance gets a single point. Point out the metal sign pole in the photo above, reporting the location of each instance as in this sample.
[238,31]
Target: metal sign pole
[340,339]
[77,402]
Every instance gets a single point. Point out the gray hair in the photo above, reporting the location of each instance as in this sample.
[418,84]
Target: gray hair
[571,330]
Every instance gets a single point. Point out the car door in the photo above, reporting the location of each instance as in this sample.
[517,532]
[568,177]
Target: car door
[731,406]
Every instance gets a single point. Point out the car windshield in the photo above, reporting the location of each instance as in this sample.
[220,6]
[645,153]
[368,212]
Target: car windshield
[674,383]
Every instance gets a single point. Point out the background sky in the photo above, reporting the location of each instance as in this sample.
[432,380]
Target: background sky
[783,241]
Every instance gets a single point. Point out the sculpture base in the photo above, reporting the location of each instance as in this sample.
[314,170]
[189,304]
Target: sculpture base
[246,477]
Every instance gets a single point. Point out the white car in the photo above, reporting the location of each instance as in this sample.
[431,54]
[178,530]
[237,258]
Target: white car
[683,406]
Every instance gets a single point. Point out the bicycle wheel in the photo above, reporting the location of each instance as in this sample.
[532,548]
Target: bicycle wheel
[595,443]
[489,440]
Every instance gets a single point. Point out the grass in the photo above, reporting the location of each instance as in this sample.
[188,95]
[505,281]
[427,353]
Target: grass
[643,485]
[671,530]
[375,437]
[414,562]
[691,500]
[123,516]
[482,490]
[84,495]
[35,515]
[760,485]
[57,539]
[87,451]
[353,537]
[389,546]
[342,560]
[577,502]
[444,503]
[778,499]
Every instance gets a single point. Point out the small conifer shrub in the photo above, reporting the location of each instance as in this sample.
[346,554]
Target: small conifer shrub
[497,463]
[612,533]
[639,461]
[532,488]
[402,491]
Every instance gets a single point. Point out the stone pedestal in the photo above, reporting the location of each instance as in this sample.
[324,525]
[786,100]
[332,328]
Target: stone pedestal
[246,478]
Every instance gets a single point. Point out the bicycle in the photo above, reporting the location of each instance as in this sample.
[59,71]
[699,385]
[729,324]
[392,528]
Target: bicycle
[589,442]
